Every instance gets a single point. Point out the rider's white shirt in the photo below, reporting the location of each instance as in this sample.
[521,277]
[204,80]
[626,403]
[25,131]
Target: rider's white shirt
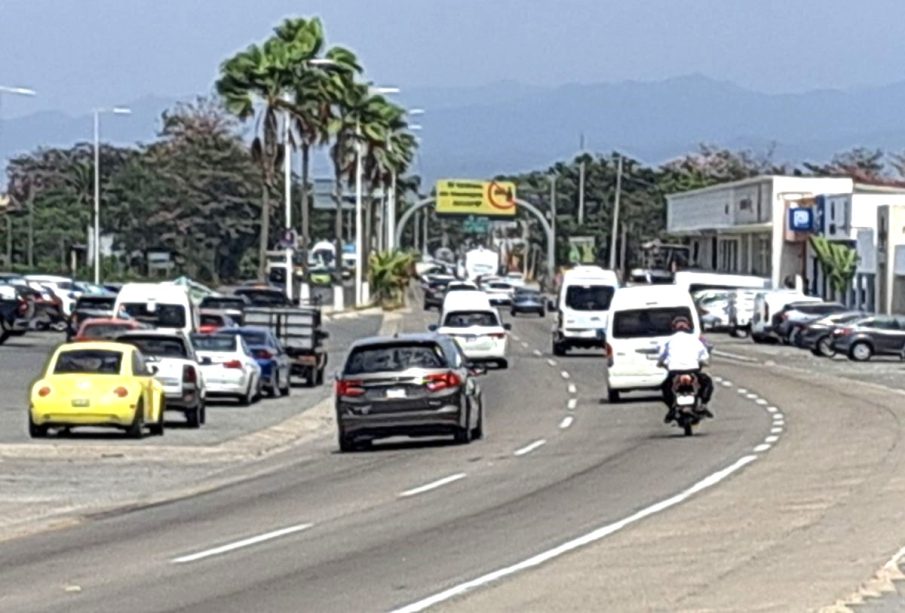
[683,351]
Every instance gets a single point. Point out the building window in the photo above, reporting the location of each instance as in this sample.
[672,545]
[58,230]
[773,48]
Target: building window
[728,255]
[763,255]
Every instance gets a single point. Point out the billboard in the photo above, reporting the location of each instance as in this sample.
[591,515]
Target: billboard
[468,197]
[582,249]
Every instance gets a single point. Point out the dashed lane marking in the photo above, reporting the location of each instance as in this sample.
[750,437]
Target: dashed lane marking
[565,374]
[551,361]
[538,352]
[573,402]
[771,439]
[566,422]
[573,389]
[246,542]
[432,485]
[530,447]
[763,447]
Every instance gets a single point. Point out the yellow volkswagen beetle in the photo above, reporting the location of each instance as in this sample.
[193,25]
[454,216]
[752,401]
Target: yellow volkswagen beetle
[96,384]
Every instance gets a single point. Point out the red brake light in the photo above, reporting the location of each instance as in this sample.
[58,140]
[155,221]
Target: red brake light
[121,392]
[188,375]
[207,328]
[844,331]
[44,391]
[263,354]
[609,351]
[442,381]
[232,364]
[498,335]
[349,388]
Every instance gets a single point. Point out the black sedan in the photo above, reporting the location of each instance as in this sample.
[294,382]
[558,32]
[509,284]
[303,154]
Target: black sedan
[818,335]
[528,301]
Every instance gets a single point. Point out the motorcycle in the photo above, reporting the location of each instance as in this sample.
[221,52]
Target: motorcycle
[687,403]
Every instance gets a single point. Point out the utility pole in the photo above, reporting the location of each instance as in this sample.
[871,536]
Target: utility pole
[615,232]
[553,218]
[581,184]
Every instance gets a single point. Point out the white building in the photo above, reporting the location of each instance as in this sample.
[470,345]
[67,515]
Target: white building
[740,227]
[890,261]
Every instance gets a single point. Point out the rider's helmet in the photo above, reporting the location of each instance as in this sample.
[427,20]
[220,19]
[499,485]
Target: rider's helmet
[681,324]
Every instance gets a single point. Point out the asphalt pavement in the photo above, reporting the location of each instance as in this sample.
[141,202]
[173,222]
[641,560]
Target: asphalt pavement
[381,529]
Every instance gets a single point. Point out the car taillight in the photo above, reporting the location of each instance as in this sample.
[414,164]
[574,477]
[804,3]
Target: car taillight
[349,388]
[263,354]
[23,306]
[44,391]
[232,364]
[188,375]
[844,331]
[498,335]
[442,381]
[121,392]
[206,328]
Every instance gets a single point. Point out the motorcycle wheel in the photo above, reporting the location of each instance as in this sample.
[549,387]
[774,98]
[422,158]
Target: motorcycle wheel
[687,428]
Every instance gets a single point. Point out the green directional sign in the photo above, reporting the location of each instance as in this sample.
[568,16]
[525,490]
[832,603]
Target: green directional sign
[476,225]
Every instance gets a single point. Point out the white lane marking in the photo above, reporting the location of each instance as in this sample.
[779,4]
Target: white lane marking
[551,361]
[771,439]
[538,353]
[763,447]
[524,344]
[718,379]
[778,416]
[742,390]
[531,447]
[573,402]
[432,485]
[727,383]
[761,402]
[776,430]
[254,540]
[573,389]
[564,374]
[751,396]
[577,543]
[779,423]
[772,410]
[566,422]
[516,337]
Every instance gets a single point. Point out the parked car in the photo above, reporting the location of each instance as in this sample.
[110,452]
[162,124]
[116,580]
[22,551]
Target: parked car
[96,384]
[740,311]
[106,328]
[25,313]
[234,306]
[407,385]
[865,338]
[499,293]
[713,308]
[818,335]
[228,366]
[176,367]
[89,306]
[528,301]
[62,287]
[793,317]
[213,319]
[766,305]
[276,367]
[434,291]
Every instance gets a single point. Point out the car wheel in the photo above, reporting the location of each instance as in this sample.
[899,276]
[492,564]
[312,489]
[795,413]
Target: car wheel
[760,339]
[542,313]
[157,427]
[247,398]
[203,412]
[860,352]
[513,312]
[193,417]
[319,376]
[273,390]
[285,389]
[824,347]
[478,432]
[612,396]
[502,364]
[34,430]
[463,435]
[346,443]
[558,349]
[138,422]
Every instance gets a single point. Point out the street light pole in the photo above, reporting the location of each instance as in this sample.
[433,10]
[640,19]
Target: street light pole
[287,176]
[392,200]
[615,229]
[96,250]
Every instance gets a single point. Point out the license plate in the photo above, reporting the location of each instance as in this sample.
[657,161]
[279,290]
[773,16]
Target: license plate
[396,393]
[685,401]
[80,402]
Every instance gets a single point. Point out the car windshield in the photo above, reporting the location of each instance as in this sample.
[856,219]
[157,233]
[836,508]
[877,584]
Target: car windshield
[394,358]
[223,303]
[88,362]
[527,294]
[104,330]
[207,342]
[96,302]
[466,319]
[500,286]
[253,337]
[158,346]
[589,297]
[641,323]
[163,316]
[212,320]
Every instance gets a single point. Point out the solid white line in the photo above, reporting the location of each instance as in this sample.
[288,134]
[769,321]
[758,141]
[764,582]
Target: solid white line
[760,448]
[538,353]
[772,410]
[254,540]
[776,430]
[771,439]
[551,361]
[566,422]
[573,402]
[564,374]
[432,485]
[573,389]
[581,541]
[531,447]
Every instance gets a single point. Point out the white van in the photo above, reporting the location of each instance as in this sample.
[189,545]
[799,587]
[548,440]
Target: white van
[470,319]
[693,281]
[639,322]
[164,306]
[581,307]
[768,304]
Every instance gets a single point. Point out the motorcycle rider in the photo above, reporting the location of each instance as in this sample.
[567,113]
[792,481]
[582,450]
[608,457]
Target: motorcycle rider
[684,353]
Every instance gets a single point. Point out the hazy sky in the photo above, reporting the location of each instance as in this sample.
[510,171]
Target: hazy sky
[83,53]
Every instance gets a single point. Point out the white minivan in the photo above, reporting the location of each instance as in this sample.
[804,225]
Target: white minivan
[639,322]
[475,324]
[163,306]
[581,307]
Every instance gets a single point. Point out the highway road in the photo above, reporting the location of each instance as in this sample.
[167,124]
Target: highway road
[385,528]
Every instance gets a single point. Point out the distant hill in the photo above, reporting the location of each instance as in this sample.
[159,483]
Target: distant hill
[509,127]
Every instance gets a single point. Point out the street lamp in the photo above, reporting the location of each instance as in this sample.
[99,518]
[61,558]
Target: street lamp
[116,110]
[16,91]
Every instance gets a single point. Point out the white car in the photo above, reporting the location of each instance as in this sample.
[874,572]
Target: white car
[470,319]
[228,367]
[61,287]
[499,292]
[515,279]
[172,359]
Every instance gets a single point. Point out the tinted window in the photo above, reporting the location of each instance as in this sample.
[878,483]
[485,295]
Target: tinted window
[647,322]
[500,286]
[589,297]
[393,358]
[96,302]
[223,303]
[209,342]
[439,284]
[164,316]
[88,362]
[103,330]
[263,297]
[212,320]
[464,319]
[253,337]
[161,347]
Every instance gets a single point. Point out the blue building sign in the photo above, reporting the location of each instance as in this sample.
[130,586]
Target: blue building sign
[801,220]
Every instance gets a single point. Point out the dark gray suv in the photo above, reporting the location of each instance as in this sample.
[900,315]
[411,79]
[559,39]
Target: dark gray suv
[407,385]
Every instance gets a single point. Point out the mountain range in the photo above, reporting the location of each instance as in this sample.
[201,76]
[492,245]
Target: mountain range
[507,127]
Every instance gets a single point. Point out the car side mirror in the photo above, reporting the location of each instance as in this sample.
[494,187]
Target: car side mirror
[507,326]
[551,305]
[433,327]
[206,361]
[323,335]
[153,369]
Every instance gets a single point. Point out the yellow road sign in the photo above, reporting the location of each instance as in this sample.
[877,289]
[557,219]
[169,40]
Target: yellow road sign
[466,197]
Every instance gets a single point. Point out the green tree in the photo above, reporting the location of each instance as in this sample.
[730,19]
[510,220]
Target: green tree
[838,261]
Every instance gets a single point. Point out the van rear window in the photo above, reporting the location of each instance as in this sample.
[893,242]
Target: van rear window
[162,316]
[589,297]
[643,323]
